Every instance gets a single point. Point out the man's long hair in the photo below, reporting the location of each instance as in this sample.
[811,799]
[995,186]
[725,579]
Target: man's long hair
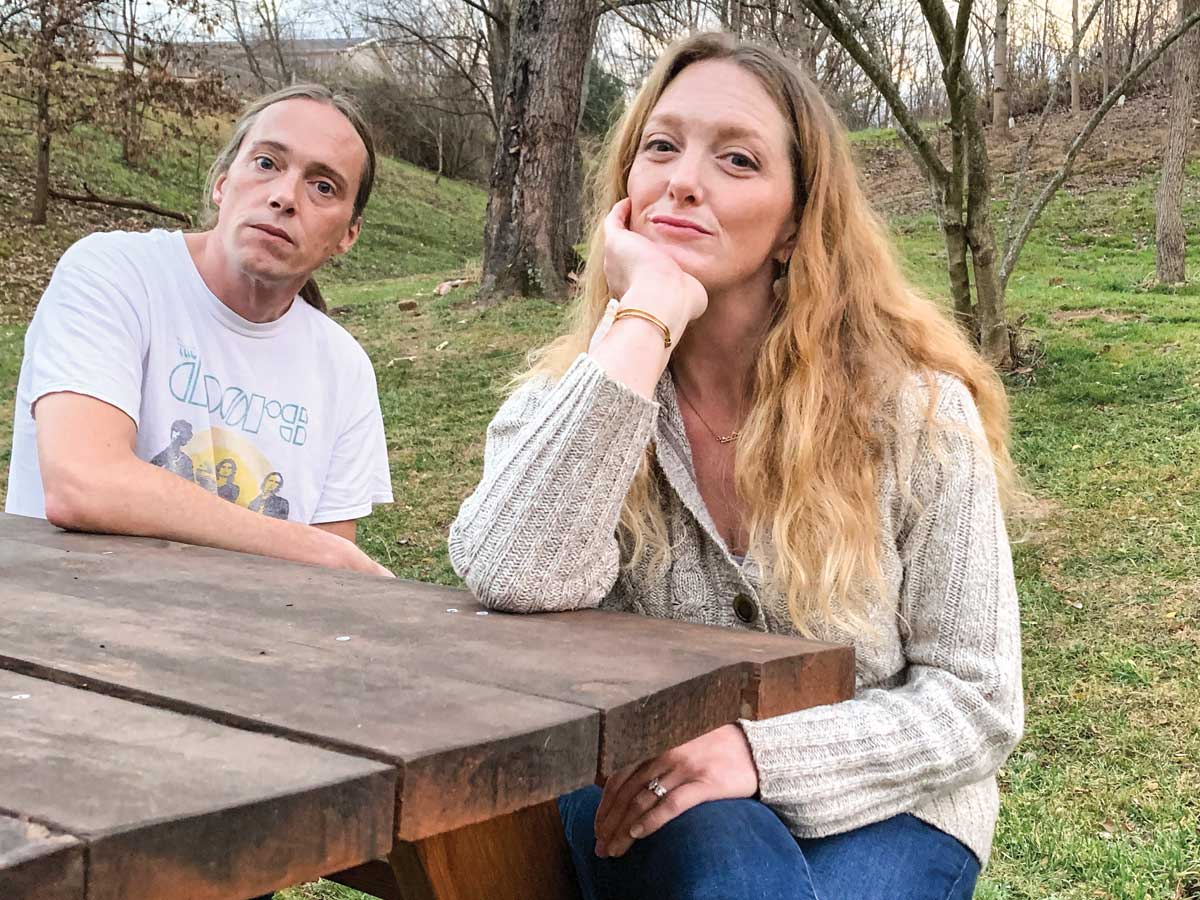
[321,94]
[849,339]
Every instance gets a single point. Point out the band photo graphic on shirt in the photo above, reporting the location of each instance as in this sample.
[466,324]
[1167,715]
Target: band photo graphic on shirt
[225,464]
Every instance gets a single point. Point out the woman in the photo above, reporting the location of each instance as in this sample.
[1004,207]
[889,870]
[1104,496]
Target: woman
[769,430]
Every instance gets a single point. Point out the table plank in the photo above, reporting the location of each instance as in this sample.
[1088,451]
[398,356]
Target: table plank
[38,864]
[655,683]
[467,751]
[176,805]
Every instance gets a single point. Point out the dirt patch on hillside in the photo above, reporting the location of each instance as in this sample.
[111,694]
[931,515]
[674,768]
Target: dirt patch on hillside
[1104,315]
[28,253]
[1124,147]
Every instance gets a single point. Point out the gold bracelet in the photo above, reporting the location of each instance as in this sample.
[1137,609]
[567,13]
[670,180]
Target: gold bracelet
[631,312]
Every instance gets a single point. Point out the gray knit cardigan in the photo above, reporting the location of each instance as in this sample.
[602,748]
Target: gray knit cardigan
[938,703]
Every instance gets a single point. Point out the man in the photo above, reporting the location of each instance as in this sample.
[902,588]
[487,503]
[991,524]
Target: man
[146,343]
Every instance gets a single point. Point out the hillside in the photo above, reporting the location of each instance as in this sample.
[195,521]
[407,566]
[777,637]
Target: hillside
[415,227]
[412,225]
[1125,147]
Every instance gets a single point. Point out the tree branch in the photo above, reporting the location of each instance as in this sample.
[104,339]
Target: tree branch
[926,156]
[621,4]
[122,203]
[447,59]
[1022,179]
[479,7]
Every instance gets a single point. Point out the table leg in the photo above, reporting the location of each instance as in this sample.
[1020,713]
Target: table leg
[520,856]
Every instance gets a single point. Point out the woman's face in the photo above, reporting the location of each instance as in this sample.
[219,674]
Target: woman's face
[712,180]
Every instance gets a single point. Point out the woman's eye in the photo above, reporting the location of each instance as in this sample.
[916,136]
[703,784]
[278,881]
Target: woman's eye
[659,145]
[742,161]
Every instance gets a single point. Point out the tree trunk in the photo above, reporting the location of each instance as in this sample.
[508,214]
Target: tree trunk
[1076,43]
[797,37]
[955,236]
[1171,240]
[129,127]
[41,185]
[1106,46]
[499,48]
[1000,67]
[1133,37]
[534,191]
[990,323]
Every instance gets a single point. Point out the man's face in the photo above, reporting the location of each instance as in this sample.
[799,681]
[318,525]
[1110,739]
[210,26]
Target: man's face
[271,484]
[286,205]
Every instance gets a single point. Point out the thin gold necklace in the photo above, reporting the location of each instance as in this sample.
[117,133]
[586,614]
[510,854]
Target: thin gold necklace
[721,438]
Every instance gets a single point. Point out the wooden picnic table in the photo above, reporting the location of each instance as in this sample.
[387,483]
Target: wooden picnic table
[181,722]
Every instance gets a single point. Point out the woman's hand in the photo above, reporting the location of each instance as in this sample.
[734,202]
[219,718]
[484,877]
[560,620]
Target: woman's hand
[715,766]
[633,263]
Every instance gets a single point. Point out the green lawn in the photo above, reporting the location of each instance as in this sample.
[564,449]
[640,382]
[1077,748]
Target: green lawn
[1102,798]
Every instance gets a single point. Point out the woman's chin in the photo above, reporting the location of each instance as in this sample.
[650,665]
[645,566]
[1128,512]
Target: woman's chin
[687,260]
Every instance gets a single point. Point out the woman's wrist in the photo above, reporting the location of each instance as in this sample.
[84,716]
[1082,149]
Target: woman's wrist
[662,300]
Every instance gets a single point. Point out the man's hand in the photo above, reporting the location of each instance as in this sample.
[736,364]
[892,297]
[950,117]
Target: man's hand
[345,554]
[715,766]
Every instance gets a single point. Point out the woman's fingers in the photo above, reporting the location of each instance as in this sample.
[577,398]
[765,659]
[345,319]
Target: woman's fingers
[618,217]
[678,801]
[641,803]
[609,795]
[610,816]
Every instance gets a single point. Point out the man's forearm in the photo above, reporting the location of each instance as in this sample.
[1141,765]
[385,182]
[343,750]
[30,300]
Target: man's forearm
[136,498]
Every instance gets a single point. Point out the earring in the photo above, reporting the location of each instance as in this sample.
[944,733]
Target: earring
[780,284]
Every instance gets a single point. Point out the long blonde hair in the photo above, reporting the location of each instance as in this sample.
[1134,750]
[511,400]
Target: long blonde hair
[849,334]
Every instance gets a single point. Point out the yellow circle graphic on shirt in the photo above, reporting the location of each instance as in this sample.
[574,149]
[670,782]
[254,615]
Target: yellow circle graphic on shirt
[232,467]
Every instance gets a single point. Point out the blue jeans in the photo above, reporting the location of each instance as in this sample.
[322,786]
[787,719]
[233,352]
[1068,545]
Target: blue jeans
[740,850]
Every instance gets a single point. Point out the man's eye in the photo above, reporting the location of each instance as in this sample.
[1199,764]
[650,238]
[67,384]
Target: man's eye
[325,188]
[264,162]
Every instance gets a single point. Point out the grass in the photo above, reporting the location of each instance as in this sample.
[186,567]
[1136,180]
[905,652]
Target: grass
[414,223]
[1102,797]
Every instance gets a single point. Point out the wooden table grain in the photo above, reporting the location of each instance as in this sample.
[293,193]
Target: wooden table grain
[313,711]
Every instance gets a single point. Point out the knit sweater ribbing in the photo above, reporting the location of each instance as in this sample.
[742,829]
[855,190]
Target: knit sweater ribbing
[938,704]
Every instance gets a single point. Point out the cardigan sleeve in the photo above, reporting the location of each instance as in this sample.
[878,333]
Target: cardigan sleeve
[539,532]
[958,711]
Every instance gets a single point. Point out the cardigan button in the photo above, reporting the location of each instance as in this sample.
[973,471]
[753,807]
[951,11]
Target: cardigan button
[744,609]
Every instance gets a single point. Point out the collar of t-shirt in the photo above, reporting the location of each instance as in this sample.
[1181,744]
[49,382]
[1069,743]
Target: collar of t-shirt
[222,313]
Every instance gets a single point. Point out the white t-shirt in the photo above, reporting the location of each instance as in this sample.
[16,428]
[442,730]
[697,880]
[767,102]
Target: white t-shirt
[281,417]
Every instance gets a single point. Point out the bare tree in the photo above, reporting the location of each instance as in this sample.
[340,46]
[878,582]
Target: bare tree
[961,185]
[1108,29]
[264,31]
[464,41]
[1000,71]
[53,46]
[144,36]
[1076,39]
[1171,240]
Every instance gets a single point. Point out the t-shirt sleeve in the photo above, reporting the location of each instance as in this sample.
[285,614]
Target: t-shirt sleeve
[89,337]
[359,474]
